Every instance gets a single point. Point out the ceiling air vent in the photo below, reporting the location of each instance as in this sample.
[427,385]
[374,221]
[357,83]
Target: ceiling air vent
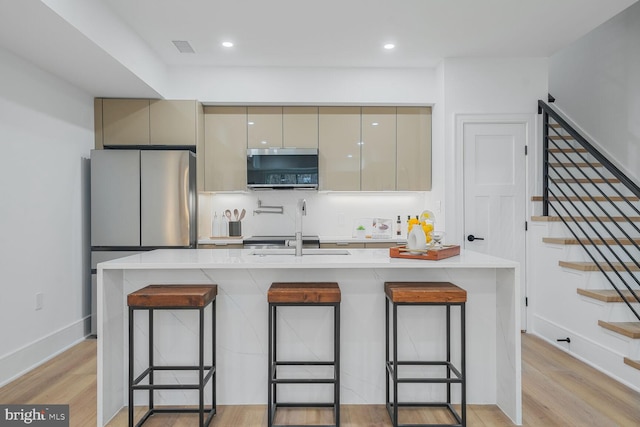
[183,46]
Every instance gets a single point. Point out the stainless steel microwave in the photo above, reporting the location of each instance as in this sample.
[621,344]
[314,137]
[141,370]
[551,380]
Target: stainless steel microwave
[282,168]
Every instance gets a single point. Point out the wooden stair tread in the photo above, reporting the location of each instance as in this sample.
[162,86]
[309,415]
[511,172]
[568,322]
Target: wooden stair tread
[587,199]
[577,164]
[560,137]
[632,363]
[568,150]
[628,329]
[573,241]
[550,218]
[592,266]
[606,295]
[558,180]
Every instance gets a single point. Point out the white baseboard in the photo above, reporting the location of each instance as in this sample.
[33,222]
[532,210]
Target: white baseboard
[21,361]
[594,354]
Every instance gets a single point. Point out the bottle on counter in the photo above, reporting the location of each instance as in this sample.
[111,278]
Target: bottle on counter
[215,225]
[398,226]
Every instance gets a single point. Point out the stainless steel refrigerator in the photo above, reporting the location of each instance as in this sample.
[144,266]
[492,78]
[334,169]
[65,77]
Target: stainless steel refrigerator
[141,200]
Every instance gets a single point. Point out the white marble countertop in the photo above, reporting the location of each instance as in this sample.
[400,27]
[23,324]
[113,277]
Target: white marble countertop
[220,241]
[347,239]
[244,258]
[323,239]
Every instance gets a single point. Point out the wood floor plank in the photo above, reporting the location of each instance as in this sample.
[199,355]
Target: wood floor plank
[558,390]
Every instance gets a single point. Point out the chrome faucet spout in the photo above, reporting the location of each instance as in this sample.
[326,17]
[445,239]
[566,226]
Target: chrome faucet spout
[300,212]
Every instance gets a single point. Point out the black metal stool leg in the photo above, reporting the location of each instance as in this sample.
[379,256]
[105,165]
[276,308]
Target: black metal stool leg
[386,353]
[448,336]
[131,367]
[214,364]
[270,367]
[336,361]
[395,365]
[201,367]
[151,359]
[463,363]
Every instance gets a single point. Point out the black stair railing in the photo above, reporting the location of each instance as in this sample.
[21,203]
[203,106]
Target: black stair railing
[582,187]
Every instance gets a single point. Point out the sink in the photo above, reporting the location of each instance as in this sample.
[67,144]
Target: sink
[305,251]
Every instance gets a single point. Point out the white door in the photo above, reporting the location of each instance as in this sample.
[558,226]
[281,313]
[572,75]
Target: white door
[495,192]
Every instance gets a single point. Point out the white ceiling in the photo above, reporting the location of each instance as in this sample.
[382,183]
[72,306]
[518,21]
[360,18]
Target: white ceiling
[350,33]
[98,44]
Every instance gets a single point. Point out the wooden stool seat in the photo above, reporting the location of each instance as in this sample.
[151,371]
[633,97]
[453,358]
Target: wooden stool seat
[424,292]
[304,292]
[178,296]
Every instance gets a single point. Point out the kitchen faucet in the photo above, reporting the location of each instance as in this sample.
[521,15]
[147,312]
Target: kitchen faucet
[301,211]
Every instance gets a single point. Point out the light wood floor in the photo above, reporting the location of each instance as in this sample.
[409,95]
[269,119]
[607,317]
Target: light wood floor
[558,390]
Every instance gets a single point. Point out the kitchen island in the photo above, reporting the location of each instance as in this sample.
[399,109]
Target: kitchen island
[243,278]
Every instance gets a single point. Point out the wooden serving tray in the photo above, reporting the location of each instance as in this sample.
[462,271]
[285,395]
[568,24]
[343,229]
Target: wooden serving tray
[446,251]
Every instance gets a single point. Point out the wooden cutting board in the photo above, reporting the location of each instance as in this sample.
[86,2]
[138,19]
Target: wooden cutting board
[432,254]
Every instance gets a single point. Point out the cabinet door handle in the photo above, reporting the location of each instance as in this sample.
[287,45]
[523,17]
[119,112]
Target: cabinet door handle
[471,238]
[342,244]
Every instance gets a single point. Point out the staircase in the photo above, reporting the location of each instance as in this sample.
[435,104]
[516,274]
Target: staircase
[586,225]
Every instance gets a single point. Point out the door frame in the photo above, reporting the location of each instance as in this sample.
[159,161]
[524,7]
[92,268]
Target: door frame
[529,121]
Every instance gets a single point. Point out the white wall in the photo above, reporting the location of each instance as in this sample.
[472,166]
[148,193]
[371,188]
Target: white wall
[46,129]
[312,86]
[596,82]
[329,214]
[489,87]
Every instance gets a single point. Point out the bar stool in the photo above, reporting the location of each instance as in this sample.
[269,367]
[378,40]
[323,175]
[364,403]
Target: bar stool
[303,294]
[427,294]
[174,297]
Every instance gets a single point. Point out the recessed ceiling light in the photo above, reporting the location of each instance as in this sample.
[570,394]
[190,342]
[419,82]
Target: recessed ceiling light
[249,123]
[374,124]
[389,46]
[227,44]
[263,142]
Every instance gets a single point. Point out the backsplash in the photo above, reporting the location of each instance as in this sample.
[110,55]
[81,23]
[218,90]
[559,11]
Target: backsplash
[328,213]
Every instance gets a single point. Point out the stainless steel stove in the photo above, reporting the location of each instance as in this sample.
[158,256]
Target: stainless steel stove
[275,242]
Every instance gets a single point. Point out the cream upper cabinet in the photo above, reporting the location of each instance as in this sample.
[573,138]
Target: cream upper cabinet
[300,127]
[225,148]
[413,167]
[264,125]
[173,122]
[146,122]
[339,148]
[125,122]
[378,148]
